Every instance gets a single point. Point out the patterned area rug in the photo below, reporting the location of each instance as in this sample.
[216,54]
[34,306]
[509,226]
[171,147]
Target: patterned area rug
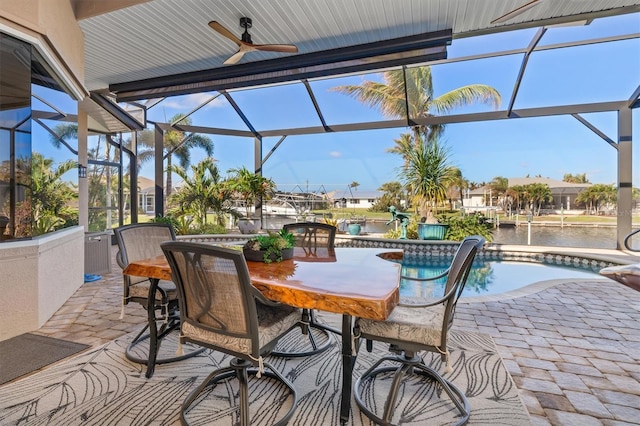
[100,387]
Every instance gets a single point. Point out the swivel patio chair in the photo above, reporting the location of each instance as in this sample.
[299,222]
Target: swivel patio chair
[310,236]
[410,329]
[142,241]
[220,309]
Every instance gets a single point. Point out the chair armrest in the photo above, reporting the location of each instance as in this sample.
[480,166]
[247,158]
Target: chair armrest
[442,275]
[119,260]
[435,302]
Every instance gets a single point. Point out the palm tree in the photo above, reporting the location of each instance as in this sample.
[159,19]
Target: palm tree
[389,97]
[203,191]
[403,145]
[577,178]
[50,195]
[250,186]
[456,187]
[176,144]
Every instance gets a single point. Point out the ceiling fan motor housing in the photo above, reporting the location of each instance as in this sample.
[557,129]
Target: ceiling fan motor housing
[246,24]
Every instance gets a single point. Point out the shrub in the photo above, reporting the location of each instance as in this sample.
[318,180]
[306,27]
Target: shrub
[461,226]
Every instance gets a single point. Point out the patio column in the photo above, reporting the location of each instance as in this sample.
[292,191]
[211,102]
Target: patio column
[625,182]
[159,175]
[83,185]
[257,162]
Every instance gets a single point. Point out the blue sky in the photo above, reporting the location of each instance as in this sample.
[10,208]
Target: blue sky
[549,146]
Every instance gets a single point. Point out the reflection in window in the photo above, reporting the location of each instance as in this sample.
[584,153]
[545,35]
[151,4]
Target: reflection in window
[15,139]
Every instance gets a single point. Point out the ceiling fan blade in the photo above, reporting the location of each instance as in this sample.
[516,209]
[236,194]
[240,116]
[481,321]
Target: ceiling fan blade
[233,59]
[516,12]
[225,32]
[288,48]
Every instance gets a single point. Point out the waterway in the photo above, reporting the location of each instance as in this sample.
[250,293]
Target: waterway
[555,236]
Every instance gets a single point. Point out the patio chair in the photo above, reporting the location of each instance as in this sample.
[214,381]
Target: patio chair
[220,309]
[309,237]
[410,329]
[142,241]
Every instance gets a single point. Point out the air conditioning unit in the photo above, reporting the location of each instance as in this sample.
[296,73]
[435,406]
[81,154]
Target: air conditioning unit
[97,253]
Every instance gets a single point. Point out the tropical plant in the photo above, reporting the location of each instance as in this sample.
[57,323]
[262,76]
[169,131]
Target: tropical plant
[392,195]
[271,244]
[456,187]
[539,193]
[50,195]
[201,192]
[164,219]
[329,220]
[413,88]
[250,187]
[462,226]
[597,196]
[577,178]
[177,145]
[427,174]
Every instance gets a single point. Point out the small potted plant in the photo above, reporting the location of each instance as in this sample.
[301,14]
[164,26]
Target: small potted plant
[275,246]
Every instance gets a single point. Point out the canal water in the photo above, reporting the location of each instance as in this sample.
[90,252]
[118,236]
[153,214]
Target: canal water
[555,236]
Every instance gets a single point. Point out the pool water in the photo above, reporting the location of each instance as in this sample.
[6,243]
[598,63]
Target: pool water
[487,277]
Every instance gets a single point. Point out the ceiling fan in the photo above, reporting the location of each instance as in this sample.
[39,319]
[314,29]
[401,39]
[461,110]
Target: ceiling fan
[245,44]
[517,11]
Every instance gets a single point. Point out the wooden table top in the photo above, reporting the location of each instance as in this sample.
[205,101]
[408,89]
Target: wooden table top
[351,281]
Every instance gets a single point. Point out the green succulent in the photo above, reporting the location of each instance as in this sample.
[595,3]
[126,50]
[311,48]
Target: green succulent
[272,243]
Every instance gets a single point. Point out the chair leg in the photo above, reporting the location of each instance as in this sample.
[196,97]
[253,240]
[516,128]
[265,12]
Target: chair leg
[241,369]
[407,366]
[307,325]
[155,337]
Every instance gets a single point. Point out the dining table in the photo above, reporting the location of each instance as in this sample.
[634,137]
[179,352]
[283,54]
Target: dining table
[353,282]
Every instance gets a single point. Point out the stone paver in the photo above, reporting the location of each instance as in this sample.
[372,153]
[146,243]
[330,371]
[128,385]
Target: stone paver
[573,349]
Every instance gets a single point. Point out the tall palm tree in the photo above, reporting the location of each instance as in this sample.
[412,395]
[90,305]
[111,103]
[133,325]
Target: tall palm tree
[177,145]
[389,97]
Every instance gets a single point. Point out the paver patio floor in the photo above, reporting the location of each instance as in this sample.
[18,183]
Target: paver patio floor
[573,348]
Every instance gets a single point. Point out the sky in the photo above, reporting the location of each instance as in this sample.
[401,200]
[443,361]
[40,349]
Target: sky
[548,146]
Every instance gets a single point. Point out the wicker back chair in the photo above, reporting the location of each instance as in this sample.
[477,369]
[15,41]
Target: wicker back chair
[220,309]
[311,236]
[412,328]
[158,297]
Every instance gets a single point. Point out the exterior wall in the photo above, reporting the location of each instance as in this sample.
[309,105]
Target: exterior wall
[38,276]
[52,21]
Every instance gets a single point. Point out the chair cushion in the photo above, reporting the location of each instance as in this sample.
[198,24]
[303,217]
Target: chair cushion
[416,325]
[141,290]
[273,321]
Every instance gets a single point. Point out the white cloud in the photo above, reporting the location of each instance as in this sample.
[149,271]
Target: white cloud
[335,154]
[189,102]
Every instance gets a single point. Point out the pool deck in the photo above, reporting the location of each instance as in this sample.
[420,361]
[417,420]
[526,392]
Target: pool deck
[572,347]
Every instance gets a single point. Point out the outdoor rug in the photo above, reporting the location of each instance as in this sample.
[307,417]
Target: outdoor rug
[100,387]
[28,352]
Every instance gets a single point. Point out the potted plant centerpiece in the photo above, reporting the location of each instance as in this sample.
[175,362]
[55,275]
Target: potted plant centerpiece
[250,187]
[275,246]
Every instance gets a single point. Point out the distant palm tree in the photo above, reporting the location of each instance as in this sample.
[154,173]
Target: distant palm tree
[176,144]
[577,178]
[457,186]
[389,97]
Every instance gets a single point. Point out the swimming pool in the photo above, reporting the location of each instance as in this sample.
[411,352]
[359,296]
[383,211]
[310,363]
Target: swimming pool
[487,276]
